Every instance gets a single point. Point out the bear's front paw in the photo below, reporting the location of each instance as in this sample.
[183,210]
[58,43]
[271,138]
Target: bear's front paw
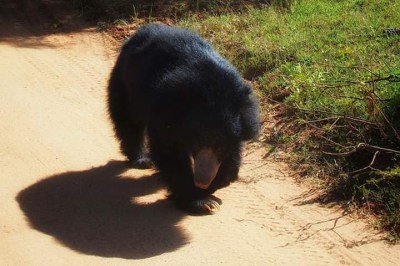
[203,206]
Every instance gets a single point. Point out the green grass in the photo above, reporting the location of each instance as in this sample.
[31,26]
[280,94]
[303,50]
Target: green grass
[334,68]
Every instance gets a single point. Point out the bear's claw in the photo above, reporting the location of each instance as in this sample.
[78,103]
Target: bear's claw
[206,206]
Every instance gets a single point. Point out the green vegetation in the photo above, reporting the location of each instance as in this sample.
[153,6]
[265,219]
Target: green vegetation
[333,69]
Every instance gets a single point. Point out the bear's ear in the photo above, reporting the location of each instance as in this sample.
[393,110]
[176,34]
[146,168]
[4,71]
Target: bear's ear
[249,115]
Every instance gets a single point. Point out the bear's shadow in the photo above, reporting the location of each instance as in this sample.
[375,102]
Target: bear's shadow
[94,212]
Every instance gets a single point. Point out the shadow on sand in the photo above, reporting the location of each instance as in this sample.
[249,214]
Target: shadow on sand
[94,212]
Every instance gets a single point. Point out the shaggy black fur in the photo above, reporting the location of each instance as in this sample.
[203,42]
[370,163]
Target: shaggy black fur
[172,86]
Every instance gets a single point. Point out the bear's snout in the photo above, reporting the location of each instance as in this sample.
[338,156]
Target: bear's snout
[205,167]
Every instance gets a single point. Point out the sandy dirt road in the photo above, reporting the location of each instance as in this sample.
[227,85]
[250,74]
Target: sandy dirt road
[66,197]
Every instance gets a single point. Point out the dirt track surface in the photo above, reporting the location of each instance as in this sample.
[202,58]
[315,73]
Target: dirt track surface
[66,197]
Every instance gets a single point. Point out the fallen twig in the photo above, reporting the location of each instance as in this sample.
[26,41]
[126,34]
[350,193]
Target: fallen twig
[390,78]
[367,167]
[347,117]
[362,145]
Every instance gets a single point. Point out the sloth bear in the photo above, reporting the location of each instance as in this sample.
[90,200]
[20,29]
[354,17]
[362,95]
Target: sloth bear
[175,102]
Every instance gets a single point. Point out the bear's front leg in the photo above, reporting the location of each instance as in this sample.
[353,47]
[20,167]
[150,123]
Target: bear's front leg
[176,169]
[183,190]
